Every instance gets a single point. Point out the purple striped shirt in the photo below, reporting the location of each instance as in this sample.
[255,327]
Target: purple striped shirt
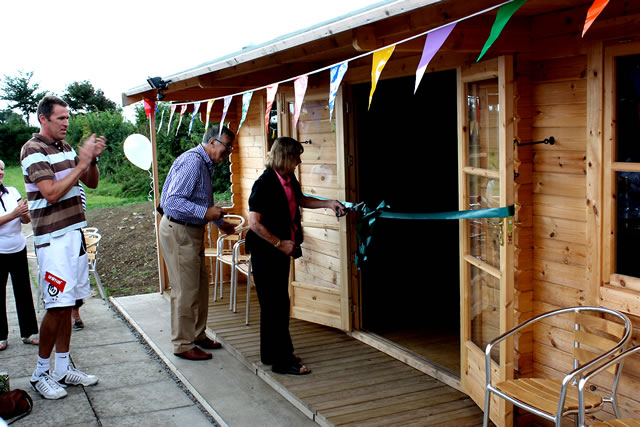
[187,192]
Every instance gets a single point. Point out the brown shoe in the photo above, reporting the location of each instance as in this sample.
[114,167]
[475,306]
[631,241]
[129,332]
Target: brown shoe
[194,354]
[208,344]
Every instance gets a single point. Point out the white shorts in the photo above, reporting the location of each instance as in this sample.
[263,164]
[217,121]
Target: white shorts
[64,270]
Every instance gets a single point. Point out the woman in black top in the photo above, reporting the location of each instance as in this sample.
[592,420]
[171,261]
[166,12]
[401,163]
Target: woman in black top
[275,237]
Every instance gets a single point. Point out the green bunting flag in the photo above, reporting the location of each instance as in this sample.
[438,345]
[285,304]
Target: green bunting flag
[502,17]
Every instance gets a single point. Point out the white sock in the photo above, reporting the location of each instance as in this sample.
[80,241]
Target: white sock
[42,366]
[62,363]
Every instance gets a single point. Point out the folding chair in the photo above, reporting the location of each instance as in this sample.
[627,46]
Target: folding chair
[92,240]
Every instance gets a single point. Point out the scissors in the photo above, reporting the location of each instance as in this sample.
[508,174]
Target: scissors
[349,206]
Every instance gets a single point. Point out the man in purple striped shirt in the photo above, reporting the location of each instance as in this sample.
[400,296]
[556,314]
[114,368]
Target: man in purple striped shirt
[187,203]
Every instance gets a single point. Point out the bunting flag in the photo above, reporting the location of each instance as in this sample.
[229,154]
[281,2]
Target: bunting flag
[196,108]
[209,105]
[594,11]
[246,100]
[300,87]
[337,72]
[148,107]
[271,95]
[182,110]
[227,101]
[173,110]
[432,44]
[380,59]
[161,119]
[502,17]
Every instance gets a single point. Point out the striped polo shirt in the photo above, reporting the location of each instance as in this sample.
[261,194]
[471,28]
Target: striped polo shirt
[41,159]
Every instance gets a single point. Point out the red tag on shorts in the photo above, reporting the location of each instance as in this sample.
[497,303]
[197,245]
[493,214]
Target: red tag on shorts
[57,282]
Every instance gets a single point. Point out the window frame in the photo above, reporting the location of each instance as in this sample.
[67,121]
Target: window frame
[617,291]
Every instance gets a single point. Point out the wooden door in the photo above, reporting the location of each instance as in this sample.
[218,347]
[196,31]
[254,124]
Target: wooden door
[485,147]
[319,288]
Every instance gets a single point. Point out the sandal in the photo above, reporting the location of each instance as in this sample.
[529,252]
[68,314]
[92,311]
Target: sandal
[295,369]
[3,345]
[33,339]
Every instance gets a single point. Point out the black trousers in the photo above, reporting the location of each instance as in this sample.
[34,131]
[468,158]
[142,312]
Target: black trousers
[16,265]
[271,277]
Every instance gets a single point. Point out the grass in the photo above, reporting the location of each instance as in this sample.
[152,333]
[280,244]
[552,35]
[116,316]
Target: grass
[107,194]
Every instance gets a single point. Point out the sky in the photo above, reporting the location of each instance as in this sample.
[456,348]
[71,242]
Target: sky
[118,44]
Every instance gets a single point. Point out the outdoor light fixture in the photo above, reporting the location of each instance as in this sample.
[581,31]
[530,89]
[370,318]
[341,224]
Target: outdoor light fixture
[161,85]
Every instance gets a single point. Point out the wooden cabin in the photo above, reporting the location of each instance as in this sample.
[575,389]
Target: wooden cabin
[435,292]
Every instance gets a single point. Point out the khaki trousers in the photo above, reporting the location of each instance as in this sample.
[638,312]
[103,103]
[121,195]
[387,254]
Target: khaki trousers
[183,249]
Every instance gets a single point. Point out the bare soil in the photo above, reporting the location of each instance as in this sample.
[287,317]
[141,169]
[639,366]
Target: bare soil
[127,257]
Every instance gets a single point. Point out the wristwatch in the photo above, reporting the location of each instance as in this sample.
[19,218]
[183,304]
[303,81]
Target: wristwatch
[95,161]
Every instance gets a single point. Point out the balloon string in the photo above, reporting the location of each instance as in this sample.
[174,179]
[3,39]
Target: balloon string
[150,195]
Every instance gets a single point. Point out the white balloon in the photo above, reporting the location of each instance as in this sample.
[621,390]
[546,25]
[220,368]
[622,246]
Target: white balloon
[137,148]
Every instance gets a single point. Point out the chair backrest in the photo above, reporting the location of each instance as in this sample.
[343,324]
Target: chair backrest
[594,335]
[236,220]
[90,230]
[231,239]
[93,241]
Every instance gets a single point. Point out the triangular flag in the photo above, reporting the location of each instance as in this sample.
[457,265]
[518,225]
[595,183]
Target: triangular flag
[246,100]
[173,110]
[502,17]
[161,119]
[227,101]
[593,13]
[432,44]
[182,110]
[300,87]
[196,108]
[336,74]
[148,107]
[271,95]
[209,105]
[380,59]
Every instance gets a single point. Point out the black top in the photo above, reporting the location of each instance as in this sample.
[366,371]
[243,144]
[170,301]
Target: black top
[269,199]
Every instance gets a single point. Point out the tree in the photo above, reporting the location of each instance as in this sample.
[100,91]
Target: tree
[14,132]
[83,98]
[22,93]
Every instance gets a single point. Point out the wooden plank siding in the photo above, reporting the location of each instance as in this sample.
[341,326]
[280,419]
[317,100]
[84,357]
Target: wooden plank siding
[351,383]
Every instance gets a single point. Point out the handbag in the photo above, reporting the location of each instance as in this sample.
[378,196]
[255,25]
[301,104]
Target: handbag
[15,403]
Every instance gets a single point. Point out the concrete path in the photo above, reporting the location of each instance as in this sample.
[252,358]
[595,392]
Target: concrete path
[233,393]
[135,388]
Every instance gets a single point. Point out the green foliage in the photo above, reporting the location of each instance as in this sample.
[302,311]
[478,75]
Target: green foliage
[14,132]
[83,98]
[13,178]
[22,93]
[170,146]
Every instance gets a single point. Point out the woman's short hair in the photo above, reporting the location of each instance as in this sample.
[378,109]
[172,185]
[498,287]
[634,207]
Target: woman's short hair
[1,164]
[284,154]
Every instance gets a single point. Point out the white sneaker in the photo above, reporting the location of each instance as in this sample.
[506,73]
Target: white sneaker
[75,376]
[47,386]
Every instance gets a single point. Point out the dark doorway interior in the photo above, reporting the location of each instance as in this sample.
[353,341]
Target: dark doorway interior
[407,155]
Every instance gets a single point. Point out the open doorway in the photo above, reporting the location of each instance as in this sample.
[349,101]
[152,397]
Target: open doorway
[407,155]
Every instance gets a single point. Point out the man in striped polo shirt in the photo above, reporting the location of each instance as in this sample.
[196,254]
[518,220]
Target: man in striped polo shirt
[51,171]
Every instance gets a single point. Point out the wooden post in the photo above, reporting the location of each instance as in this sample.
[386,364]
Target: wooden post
[156,200]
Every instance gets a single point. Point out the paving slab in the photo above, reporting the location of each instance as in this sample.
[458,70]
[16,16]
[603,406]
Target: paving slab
[235,393]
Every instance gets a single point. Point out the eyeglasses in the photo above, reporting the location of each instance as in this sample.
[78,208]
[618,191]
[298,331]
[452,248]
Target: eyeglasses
[229,146]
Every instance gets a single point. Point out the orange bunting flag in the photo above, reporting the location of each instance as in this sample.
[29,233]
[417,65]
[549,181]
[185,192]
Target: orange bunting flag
[594,11]
[271,95]
[209,105]
[380,59]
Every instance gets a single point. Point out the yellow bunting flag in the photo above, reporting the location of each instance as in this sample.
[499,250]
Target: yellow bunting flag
[380,59]
[209,105]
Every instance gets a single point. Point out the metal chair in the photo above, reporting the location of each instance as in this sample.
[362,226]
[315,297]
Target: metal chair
[242,265]
[225,256]
[595,340]
[211,251]
[36,285]
[621,422]
[93,241]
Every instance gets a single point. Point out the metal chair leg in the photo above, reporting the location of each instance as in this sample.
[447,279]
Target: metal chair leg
[487,408]
[246,319]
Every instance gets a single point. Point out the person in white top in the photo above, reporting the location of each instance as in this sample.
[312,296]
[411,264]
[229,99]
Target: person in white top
[13,260]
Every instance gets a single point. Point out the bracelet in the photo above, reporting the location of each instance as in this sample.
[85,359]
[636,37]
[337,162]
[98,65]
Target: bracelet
[277,244]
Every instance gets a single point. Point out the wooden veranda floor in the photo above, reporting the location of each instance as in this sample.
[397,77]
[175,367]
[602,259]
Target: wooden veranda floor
[351,383]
